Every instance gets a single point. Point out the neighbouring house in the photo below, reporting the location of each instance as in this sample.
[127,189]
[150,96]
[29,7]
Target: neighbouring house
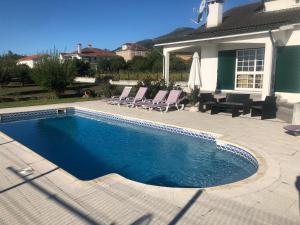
[253,48]
[89,54]
[31,60]
[129,50]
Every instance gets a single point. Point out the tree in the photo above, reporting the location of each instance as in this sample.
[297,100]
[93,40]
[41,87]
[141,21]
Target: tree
[22,73]
[155,57]
[82,68]
[103,66]
[139,64]
[53,74]
[177,64]
[117,64]
[7,70]
[8,67]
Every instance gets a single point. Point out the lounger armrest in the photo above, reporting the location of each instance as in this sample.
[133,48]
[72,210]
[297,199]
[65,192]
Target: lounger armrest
[180,100]
[115,97]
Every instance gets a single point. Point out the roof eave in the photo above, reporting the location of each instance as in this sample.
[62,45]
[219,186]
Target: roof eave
[210,39]
[224,36]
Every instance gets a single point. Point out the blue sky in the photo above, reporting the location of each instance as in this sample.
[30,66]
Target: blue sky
[32,26]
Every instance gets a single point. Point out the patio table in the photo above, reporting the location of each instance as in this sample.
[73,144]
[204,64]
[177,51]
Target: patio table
[224,106]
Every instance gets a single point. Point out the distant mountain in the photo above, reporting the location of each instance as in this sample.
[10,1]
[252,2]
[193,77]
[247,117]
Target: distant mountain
[177,32]
[149,43]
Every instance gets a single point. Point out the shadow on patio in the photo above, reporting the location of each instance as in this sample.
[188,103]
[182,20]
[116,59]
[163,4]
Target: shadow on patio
[298,189]
[53,197]
[202,208]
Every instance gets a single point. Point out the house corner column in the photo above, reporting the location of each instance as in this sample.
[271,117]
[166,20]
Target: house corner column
[166,66]
[209,67]
[268,71]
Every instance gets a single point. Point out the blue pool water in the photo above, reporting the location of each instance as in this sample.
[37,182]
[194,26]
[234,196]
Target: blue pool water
[89,149]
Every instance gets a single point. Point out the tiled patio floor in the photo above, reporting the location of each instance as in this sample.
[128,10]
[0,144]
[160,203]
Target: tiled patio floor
[51,196]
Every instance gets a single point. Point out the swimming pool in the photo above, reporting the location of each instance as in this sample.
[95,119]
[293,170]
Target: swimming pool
[89,145]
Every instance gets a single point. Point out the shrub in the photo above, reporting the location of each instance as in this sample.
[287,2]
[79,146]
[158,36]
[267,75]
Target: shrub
[82,68]
[54,74]
[107,90]
[154,86]
[23,73]
[8,69]
[193,96]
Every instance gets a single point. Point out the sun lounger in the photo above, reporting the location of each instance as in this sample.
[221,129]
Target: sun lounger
[173,100]
[140,95]
[159,98]
[115,99]
[293,129]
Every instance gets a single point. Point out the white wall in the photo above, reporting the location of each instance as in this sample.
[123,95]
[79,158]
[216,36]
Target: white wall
[294,37]
[29,63]
[90,80]
[209,67]
[289,97]
[280,4]
[209,55]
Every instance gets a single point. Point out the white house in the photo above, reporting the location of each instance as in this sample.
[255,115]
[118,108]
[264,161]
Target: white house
[89,54]
[129,50]
[31,60]
[253,48]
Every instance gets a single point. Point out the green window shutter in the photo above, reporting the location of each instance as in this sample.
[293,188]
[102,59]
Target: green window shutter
[226,70]
[287,76]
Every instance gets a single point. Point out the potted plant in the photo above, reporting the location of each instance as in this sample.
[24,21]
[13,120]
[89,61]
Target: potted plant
[193,100]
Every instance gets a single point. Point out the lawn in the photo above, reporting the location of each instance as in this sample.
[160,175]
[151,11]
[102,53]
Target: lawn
[30,95]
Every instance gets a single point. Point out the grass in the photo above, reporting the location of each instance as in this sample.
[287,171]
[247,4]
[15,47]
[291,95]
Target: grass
[43,102]
[16,95]
[174,76]
[13,91]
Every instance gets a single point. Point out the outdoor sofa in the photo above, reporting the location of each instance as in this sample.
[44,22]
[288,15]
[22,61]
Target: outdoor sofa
[206,100]
[233,103]
[266,109]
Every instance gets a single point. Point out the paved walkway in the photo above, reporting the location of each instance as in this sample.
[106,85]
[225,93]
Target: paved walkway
[51,196]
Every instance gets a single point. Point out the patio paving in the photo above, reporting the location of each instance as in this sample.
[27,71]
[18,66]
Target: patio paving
[51,196]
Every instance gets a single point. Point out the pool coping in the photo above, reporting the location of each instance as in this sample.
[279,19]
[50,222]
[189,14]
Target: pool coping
[112,178]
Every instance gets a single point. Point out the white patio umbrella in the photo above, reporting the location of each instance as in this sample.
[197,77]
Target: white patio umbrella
[195,78]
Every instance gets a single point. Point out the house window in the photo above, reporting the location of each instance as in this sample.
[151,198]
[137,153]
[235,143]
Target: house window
[250,68]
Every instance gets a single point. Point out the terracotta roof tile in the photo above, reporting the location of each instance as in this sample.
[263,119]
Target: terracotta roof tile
[33,57]
[95,52]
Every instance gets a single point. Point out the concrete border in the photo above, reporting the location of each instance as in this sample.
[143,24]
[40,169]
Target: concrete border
[267,169]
